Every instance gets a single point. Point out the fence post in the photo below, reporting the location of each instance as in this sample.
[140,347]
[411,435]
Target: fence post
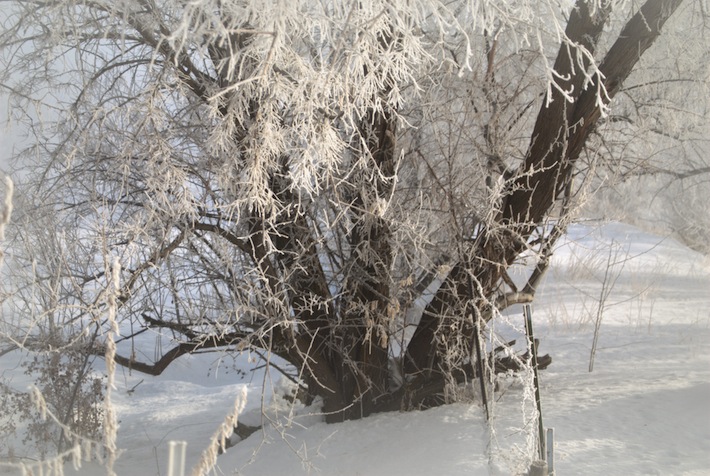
[176,459]
[550,451]
[527,312]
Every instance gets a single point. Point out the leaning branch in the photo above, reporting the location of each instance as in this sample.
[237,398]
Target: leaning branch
[635,38]
[157,368]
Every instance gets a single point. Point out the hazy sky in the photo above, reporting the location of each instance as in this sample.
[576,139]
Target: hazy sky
[13,135]
[8,135]
[7,142]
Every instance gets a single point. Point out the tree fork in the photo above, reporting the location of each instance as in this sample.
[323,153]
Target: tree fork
[559,136]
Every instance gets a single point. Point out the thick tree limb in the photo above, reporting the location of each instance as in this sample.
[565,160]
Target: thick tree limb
[533,192]
[635,38]
[563,125]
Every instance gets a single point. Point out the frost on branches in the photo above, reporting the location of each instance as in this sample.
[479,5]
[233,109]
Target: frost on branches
[344,184]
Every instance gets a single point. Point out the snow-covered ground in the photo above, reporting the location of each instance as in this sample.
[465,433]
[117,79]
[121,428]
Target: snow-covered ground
[644,409]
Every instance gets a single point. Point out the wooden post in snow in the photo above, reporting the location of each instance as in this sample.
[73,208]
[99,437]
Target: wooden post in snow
[527,312]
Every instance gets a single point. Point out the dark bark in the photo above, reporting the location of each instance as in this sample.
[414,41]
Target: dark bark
[562,129]
[546,165]
[363,337]
[558,138]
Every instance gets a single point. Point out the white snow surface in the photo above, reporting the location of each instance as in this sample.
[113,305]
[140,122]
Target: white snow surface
[645,408]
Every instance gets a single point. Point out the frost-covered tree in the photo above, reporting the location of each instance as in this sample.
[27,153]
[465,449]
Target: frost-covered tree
[342,183]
